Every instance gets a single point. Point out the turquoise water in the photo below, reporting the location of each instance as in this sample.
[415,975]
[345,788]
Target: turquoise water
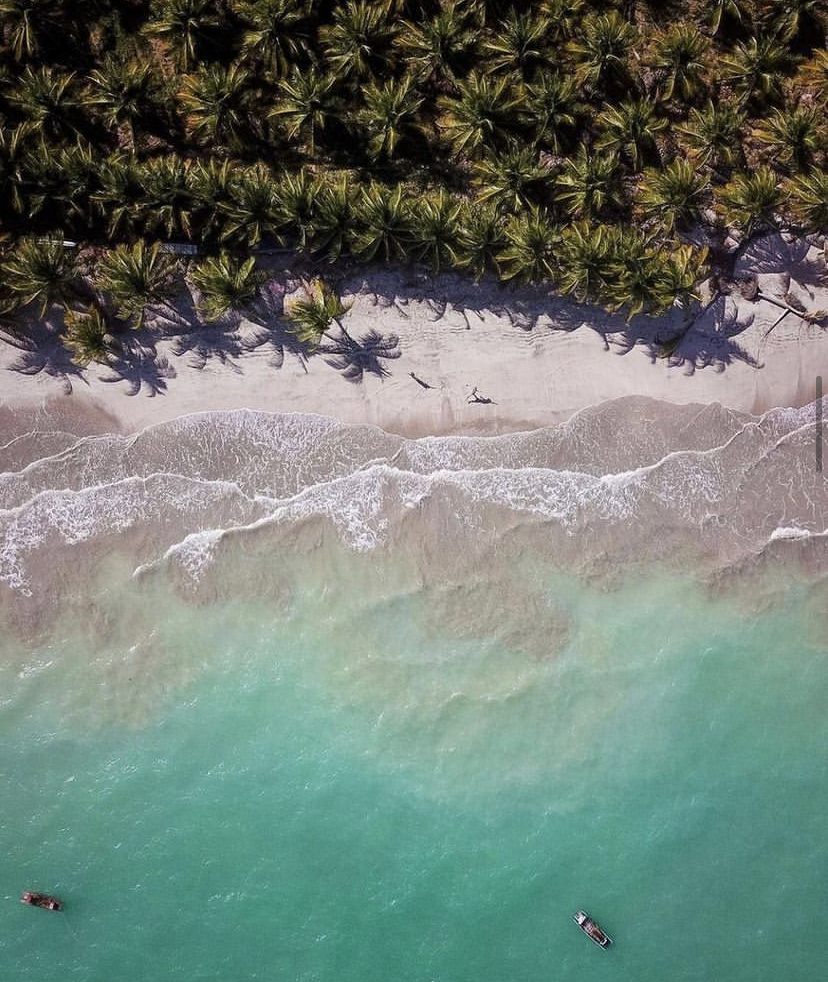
[355,789]
[282,699]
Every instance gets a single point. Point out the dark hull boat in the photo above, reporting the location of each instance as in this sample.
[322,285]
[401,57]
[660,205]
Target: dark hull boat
[41,900]
[591,929]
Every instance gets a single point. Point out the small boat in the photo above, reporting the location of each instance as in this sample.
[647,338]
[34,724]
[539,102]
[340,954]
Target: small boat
[591,929]
[43,900]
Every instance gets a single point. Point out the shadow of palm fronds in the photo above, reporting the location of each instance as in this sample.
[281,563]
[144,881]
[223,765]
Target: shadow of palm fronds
[141,367]
[354,358]
[42,352]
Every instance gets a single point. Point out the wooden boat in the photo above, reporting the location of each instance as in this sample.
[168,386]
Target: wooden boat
[34,899]
[591,929]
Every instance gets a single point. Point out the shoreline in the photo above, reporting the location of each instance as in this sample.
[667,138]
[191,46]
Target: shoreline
[493,359]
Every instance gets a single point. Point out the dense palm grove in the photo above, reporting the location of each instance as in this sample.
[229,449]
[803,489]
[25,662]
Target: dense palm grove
[568,141]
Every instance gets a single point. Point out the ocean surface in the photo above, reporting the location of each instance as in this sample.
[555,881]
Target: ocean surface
[283,699]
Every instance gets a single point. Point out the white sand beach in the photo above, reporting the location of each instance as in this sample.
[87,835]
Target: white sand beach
[495,359]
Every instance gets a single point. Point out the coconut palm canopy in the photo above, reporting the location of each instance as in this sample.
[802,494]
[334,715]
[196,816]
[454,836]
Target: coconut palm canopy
[476,134]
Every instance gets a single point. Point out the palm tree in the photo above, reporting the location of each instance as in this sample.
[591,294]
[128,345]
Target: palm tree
[87,336]
[548,108]
[721,10]
[168,195]
[481,115]
[28,24]
[756,66]
[122,91]
[713,134]
[307,103]
[678,56]
[807,198]
[63,184]
[310,317]
[512,178]
[519,43]
[277,36]
[435,230]
[589,183]
[12,153]
[582,256]
[633,273]
[563,17]
[295,206]
[250,210]
[389,113]
[225,284]
[792,19]
[357,42]
[481,239]
[217,101]
[212,185]
[41,270]
[184,25]
[630,130]
[601,49]
[383,224]
[679,277]
[333,219]
[121,197]
[674,194]
[441,49]
[813,78]
[751,200]
[793,135]
[137,277]
[529,255]
[47,99]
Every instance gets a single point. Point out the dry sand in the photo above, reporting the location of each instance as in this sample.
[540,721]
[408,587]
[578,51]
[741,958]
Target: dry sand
[538,359]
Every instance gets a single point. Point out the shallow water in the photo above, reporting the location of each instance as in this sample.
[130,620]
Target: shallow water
[423,702]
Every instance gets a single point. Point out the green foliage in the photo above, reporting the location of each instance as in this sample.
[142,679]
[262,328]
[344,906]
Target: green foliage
[751,200]
[673,195]
[602,47]
[529,253]
[713,134]
[435,230]
[390,112]
[357,41]
[630,129]
[383,224]
[306,105]
[216,101]
[122,89]
[589,183]
[184,25]
[793,136]
[456,133]
[37,271]
[226,284]
[679,57]
[87,336]
[481,116]
[481,239]
[439,49]
[520,43]
[137,277]
[808,199]
[276,34]
[310,316]
[511,179]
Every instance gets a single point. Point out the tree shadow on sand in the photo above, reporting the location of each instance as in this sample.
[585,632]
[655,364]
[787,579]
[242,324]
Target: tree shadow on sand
[140,366]
[267,329]
[354,358]
[42,352]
